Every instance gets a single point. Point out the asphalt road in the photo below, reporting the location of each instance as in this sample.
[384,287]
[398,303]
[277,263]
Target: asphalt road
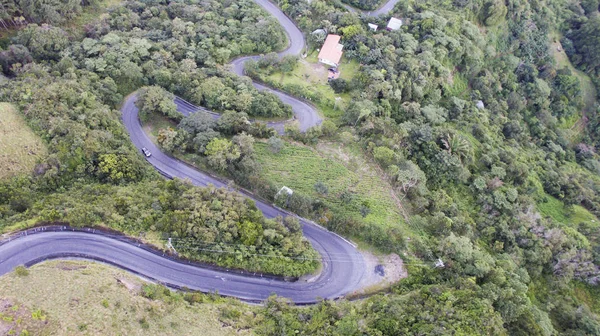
[306,114]
[384,9]
[342,265]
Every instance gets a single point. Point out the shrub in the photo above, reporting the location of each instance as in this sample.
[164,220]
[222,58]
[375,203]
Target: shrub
[144,323]
[321,188]
[276,144]
[21,271]
[328,128]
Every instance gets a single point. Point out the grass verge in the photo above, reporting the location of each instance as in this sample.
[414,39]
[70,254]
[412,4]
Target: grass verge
[20,148]
[77,297]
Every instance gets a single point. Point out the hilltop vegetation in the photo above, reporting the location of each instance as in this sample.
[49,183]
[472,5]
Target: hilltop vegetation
[68,89]
[463,110]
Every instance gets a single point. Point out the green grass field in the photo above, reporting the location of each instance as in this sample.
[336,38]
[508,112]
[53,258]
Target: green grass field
[312,75]
[341,169]
[550,206]
[83,298]
[556,209]
[20,148]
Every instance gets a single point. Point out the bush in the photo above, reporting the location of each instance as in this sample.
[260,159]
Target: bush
[21,271]
[144,323]
[339,85]
[276,144]
[328,128]
[321,188]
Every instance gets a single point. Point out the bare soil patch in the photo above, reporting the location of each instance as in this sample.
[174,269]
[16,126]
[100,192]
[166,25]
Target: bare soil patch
[16,319]
[132,286]
[67,266]
[393,271]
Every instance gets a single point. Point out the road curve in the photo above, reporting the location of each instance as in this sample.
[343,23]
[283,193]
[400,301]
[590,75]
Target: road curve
[342,265]
[384,9]
[306,114]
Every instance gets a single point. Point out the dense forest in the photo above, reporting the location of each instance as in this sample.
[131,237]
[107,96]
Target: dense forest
[69,89]
[465,110]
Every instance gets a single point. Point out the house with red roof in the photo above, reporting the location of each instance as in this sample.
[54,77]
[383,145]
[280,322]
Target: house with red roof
[331,52]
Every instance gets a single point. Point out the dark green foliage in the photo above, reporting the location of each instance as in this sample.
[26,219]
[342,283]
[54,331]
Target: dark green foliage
[41,11]
[155,99]
[16,55]
[205,224]
[364,4]
[586,43]
[44,42]
[432,310]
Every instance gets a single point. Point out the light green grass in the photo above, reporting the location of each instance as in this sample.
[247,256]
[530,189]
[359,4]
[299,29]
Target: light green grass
[556,209]
[312,75]
[20,148]
[550,206]
[82,298]
[341,170]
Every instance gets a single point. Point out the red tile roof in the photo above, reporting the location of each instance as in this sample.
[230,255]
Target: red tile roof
[332,49]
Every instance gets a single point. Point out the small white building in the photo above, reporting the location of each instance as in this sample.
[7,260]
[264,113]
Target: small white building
[372,26]
[394,24]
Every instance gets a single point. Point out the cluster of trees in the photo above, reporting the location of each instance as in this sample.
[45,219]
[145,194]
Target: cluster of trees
[206,224]
[465,124]
[431,310]
[470,133]
[68,89]
[19,12]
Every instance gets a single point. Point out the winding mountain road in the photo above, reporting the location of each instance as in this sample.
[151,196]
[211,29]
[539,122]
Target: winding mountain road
[343,266]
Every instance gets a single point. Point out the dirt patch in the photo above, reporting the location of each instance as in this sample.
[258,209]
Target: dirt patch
[65,266]
[382,271]
[130,285]
[16,319]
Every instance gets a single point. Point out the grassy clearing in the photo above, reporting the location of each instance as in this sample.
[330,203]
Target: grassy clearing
[341,169]
[89,14]
[574,126]
[20,148]
[155,123]
[76,297]
[555,209]
[550,206]
[312,76]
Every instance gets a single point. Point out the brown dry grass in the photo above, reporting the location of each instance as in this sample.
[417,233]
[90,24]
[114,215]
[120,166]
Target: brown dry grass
[20,148]
[84,298]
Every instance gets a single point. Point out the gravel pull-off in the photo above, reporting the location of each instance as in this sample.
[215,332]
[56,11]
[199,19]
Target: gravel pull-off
[381,272]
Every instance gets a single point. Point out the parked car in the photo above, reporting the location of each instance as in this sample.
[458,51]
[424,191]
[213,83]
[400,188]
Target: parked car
[146,152]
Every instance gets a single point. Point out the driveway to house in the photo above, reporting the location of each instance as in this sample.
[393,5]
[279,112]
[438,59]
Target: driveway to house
[343,266]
